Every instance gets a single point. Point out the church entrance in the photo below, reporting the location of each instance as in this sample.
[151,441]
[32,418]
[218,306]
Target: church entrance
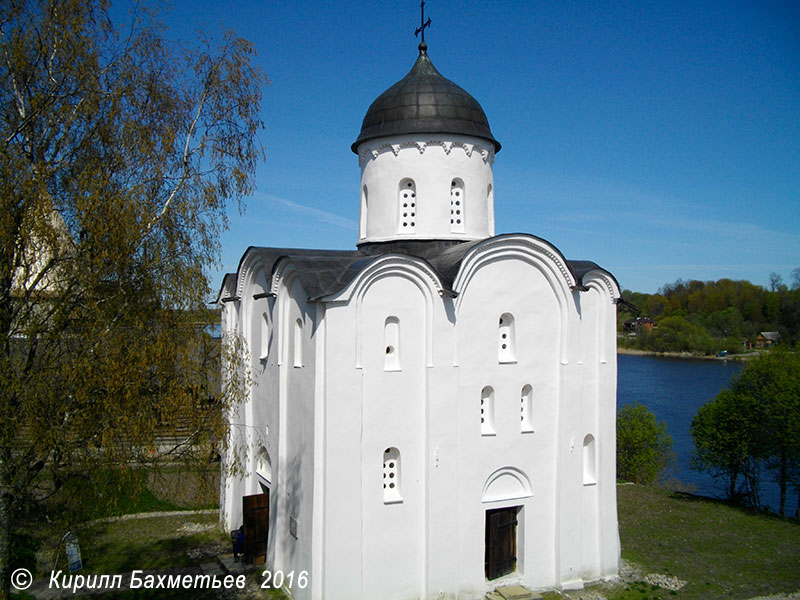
[255,510]
[500,556]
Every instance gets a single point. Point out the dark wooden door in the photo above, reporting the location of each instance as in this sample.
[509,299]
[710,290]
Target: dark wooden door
[255,510]
[501,542]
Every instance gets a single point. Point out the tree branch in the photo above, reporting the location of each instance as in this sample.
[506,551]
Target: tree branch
[185,162]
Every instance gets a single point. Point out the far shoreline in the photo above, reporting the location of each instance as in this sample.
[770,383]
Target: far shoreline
[687,355]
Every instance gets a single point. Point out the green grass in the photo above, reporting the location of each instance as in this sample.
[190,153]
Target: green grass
[641,590]
[720,550]
[153,543]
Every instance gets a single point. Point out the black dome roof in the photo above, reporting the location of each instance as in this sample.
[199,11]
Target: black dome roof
[424,102]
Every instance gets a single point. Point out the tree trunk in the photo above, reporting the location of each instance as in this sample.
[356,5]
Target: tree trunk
[782,481]
[5,537]
[797,510]
[733,474]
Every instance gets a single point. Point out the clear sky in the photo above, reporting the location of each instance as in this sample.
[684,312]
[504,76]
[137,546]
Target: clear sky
[658,139]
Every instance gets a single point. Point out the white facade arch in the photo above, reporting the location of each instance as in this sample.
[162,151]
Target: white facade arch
[608,291]
[529,250]
[392,265]
[506,483]
[253,282]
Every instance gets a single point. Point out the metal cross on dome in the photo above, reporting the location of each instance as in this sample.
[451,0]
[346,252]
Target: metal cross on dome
[422,22]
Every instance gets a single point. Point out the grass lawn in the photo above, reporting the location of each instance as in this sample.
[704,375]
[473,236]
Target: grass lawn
[720,550]
[152,544]
[155,543]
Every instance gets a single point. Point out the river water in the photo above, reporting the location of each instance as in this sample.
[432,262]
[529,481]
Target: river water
[673,389]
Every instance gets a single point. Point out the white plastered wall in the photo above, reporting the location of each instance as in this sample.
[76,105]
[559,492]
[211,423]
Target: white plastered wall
[606,293]
[230,489]
[351,408]
[250,418]
[375,545]
[509,278]
[278,414]
[291,527]
[432,163]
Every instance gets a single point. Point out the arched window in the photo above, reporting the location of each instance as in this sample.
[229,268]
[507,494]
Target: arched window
[391,337]
[589,461]
[505,344]
[487,411]
[406,206]
[264,337]
[490,208]
[526,409]
[391,476]
[457,206]
[298,343]
[364,209]
[264,466]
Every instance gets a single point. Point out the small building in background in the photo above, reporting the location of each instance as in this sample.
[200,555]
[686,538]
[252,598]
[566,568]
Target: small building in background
[765,339]
[638,324]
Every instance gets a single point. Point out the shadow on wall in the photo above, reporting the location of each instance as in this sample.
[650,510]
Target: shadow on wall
[294,504]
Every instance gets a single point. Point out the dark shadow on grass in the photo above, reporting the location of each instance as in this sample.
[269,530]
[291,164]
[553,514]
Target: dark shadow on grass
[105,553]
[697,498]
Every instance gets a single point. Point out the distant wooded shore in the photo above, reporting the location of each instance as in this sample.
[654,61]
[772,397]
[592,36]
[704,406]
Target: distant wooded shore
[635,352]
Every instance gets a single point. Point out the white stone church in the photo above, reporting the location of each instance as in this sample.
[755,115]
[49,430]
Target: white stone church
[431,415]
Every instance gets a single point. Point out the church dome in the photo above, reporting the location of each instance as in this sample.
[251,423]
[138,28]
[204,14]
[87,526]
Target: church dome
[424,102]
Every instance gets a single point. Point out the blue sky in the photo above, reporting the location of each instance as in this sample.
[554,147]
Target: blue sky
[658,139]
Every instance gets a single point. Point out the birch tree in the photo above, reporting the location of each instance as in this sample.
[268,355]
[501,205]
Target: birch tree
[118,156]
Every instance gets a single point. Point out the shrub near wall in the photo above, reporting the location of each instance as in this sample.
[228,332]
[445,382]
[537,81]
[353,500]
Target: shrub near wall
[644,448]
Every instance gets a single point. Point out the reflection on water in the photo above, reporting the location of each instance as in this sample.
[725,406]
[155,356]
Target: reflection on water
[673,389]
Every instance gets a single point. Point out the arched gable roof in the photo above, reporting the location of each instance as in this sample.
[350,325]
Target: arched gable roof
[324,273]
[571,271]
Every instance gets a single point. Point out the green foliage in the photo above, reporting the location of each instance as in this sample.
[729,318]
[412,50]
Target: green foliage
[113,492]
[716,316]
[677,334]
[121,151]
[754,423]
[728,440]
[644,448]
[23,551]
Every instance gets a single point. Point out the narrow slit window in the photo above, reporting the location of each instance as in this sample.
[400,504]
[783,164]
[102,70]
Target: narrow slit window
[391,340]
[526,409]
[406,206]
[589,461]
[490,208]
[264,336]
[391,476]
[505,344]
[457,206]
[298,343]
[364,210]
[487,411]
